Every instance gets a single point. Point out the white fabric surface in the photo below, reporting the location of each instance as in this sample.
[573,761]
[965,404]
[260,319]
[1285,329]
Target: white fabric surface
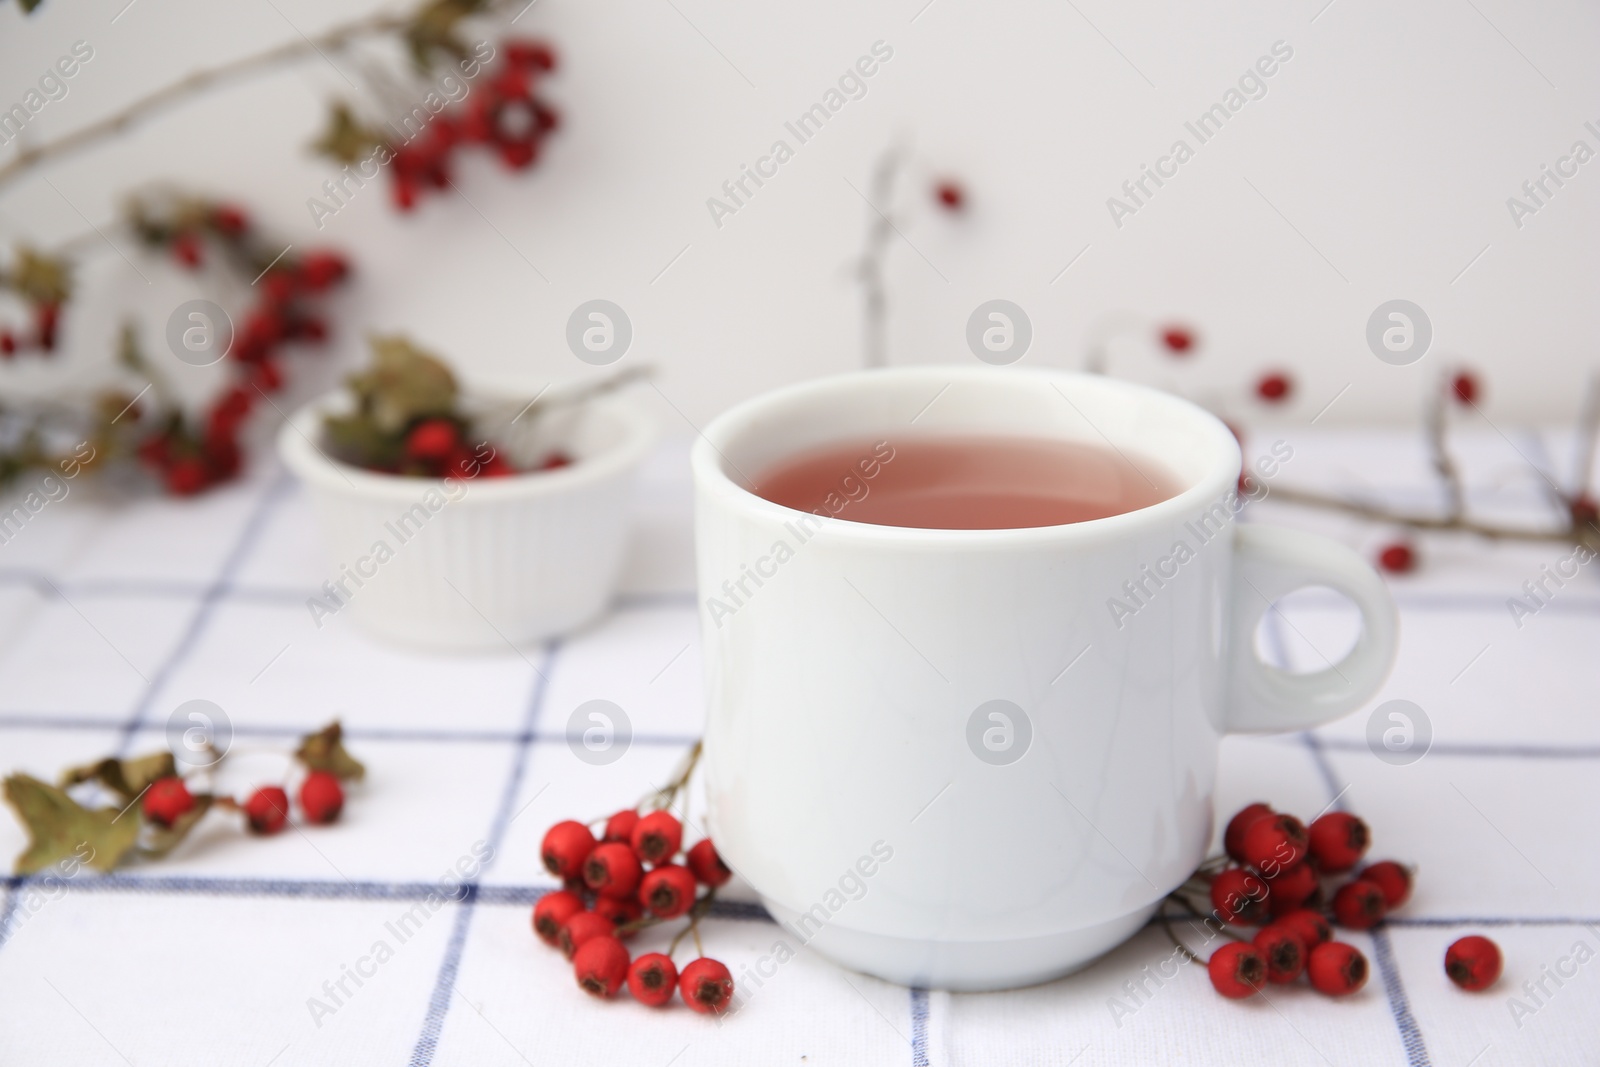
[111,616]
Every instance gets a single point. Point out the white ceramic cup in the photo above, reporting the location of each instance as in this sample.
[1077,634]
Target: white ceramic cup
[859,774]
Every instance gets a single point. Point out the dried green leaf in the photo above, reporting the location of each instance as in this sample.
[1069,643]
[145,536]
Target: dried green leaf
[324,751]
[28,6]
[59,828]
[40,278]
[345,138]
[404,383]
[356,439]
[163,839]
[127,778]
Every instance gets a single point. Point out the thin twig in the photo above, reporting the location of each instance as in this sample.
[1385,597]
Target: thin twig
[870,268]
[1491,531]
[1588,433]
[1439,450]
[190,84]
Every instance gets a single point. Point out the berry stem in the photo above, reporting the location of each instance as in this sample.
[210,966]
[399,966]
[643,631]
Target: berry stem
[699,909]
[663,797]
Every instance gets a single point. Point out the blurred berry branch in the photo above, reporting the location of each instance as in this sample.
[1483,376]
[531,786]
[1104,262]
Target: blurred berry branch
[429,32]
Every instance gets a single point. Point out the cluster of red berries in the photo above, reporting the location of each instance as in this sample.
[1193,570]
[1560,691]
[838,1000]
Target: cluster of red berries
[437,448]
[267,809]
[189,458]
[1284,883]
[608,896]
[502,115]
[42,338]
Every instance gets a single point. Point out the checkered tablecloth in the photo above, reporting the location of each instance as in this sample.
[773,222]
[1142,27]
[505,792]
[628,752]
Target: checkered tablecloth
[112,613]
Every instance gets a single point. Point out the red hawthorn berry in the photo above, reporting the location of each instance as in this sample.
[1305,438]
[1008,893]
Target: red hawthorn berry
[1237,970]
[1393,879]
[1274,388]
[1338,841]
[581,928]
[1239,896]
[267,809]
[706,985]
[186,476]
[229,220]
[1336,968]
[653,979]
[668,891]
[404,191]
[1473,963]
[518,155]
[707,865]
[155,450]
[311,329]
[620,826]
[1233,836]
[1283,951]
[657,837]
[496,466]
[278,285]
[951,196]
[1275,844]
[1178,339]
[222,458]
[1291,889]
[187,249]
[46,317]
[554,462]
[267,376]
[1464,387]
[432,440]
[533,54]
[566,845]
[1312,927]
[1397,558]
[612,870]
[551,913]
[1359,905]
[321,269]
[321,797]
[619,911]
[8,343]
[1583,509]
[167,800]
[601,966]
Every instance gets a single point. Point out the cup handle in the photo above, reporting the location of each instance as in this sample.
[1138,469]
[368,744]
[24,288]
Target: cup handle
[1268,563]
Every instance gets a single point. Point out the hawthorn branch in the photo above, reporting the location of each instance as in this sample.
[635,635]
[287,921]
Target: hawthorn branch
[1457,523]
[194,83]
[870,267]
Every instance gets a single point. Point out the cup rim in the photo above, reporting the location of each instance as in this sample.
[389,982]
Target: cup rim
[707,459]
[301,455]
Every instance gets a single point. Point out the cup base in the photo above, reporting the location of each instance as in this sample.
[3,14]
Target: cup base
[967,966]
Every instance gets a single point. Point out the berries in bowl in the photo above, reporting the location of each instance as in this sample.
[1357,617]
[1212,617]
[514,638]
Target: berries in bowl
[461,519]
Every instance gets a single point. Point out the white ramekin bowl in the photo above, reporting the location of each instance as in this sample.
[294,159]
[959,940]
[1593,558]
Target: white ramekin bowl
[476,563]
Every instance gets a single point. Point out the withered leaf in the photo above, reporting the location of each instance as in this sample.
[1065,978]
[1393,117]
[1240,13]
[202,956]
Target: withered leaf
[164,839]
[324,751]
[127,778]
[59,828]
[403,383]
[346,139]
[43,279]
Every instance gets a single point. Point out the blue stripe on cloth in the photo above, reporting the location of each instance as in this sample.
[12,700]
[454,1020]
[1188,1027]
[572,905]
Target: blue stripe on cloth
[1399,1006]
[1410,1033]
[919,1028]
[254,524]
[46,721]
[444,985]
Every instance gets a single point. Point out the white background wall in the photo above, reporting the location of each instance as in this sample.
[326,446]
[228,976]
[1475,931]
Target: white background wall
[1377,166]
